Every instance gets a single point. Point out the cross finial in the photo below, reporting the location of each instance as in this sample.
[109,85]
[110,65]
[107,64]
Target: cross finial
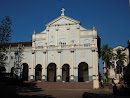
[62,14]
[34,31]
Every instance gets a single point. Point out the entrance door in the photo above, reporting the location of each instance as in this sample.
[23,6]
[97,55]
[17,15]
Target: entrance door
[25,72]
[51,72]
[38,72]
[65,73]
[83,72]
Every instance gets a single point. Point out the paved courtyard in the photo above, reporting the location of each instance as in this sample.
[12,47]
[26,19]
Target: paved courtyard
[64,93]
[35,90]
[38,90]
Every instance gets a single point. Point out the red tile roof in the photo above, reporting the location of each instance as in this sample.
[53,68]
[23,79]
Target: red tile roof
[23,43]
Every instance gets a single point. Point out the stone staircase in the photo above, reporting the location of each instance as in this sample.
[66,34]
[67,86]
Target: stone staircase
[65,85]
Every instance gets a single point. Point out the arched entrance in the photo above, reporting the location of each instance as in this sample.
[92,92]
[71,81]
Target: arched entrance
[83,72]
[51,72]
[25,71]
[65,73]
[38,72]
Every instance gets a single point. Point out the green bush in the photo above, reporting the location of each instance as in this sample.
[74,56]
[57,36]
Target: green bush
[106,81]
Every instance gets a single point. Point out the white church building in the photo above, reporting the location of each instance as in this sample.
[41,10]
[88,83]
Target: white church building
[64,51]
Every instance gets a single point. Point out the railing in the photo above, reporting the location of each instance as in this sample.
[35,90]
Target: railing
[15,48]
[64,47]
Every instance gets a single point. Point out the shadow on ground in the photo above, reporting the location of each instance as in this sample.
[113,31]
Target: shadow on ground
[18,89]
[94,95]
[119,93]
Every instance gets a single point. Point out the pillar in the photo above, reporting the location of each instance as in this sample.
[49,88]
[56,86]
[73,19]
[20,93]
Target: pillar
[56,27]
[68,34]
[72,66]
[44,66]
[78,34]
[59,65]
[33,64]
[47,35]
[95,68]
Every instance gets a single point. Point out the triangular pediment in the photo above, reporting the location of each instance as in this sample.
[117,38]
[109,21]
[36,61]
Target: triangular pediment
[121,47]
[63,20]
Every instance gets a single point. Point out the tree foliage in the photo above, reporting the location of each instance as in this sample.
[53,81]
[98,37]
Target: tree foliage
[121,57]
[5,31]
[106,53]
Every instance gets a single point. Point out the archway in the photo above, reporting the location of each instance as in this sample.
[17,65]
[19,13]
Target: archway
[65,73]
[25,71]
[51,72]
[83,72]
[38,72]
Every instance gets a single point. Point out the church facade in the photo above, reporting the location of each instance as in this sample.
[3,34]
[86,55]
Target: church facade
[64,51]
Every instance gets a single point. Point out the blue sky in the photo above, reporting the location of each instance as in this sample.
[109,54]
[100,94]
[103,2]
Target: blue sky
[110,17]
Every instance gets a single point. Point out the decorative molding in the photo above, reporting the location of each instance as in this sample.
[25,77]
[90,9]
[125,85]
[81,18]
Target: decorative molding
[66,55]
[68,26]
[59,50]
[90,67]
[72,50]
[72,33]
[44,51]
[52,35]
[93,49]
[24,56]
[52,55]
[39,56]
[62,33]
[78,26]
[65,17]
[75,67]
[56,27]
[33,51]
[58,75]
[82,54]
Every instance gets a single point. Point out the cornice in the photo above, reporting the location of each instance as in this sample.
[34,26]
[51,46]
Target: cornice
[65,17]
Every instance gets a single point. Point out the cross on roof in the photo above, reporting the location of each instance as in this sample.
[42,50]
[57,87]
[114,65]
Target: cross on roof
[62,14]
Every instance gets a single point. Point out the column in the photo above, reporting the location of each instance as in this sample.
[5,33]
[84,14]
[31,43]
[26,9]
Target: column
[44,66]
[47,35]
[59,65]
[56,27]
[76,74]
[97,69]
[33,64]
[68,34]
[78,34]
[94,62]
[72,65]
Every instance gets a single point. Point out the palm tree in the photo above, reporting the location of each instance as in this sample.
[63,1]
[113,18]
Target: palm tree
[121,57]
[106,53]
